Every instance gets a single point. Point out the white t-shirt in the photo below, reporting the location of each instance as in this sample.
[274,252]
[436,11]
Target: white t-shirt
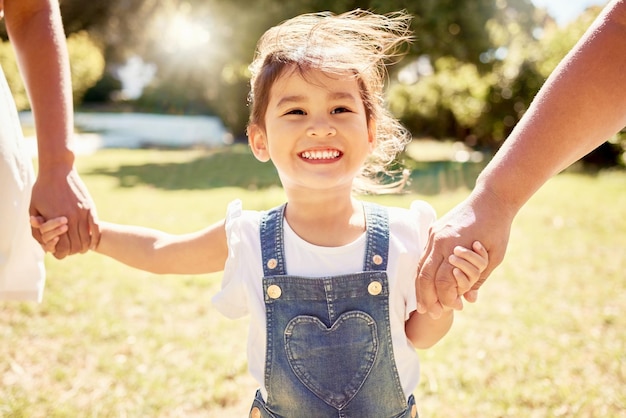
[242,289]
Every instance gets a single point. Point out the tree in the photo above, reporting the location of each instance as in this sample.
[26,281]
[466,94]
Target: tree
[476,92]
[86,65]
[213,77]
[489,57]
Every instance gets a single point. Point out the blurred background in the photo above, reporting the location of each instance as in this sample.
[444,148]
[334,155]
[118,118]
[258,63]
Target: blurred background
[468,78]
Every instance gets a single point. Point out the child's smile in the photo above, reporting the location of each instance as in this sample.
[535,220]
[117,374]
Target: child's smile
[321,155]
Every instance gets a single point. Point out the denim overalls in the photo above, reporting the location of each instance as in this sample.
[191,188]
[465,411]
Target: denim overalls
[329,350]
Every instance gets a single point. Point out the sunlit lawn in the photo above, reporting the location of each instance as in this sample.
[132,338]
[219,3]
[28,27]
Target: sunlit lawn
[546,339]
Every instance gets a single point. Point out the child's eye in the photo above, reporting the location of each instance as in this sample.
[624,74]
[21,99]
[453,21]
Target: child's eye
[339,110]
[295,112]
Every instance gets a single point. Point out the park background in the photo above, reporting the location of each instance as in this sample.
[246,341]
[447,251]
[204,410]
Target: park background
[546,338]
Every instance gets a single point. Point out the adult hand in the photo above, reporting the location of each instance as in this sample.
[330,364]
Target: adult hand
[481,217]
[61,192]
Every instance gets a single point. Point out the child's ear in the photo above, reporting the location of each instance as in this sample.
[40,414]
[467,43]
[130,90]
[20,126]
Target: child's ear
[258,143]
[371,135]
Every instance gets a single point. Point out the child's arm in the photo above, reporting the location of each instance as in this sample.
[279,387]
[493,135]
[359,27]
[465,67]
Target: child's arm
[204,251]
[422,330]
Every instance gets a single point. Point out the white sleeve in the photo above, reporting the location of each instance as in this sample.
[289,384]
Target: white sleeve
[423,214]
[231,300]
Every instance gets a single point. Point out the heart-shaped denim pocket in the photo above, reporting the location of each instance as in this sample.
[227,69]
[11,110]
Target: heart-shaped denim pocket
[332,362]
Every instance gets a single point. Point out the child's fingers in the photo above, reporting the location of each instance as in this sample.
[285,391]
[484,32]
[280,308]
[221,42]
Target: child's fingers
[36,221]
[54,224]
[51,234]
[49,225]
[50,246]
[477,259]
[463,282]
[481,250]
[50,231]
[466,275]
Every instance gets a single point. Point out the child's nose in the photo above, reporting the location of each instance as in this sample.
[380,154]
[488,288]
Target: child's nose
[321,128]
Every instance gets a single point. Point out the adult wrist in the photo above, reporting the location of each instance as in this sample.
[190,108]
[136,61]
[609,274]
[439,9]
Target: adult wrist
[507,199]
[55,160]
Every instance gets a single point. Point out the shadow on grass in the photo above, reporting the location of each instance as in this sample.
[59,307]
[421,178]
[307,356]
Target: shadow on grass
[235,166]
[222,167]
[434,177]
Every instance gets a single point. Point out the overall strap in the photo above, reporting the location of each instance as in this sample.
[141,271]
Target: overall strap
[272,241]
[273,245]
[377,247]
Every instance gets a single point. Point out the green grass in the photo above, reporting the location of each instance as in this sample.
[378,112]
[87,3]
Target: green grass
[547,337]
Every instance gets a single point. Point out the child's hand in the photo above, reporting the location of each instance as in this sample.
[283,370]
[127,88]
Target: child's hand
[50,230]
[468,264]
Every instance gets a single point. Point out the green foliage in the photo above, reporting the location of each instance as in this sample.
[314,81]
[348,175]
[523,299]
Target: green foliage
[11,72]
[477,102]
[212,78]
[168,97]
[480,104]
[507,101]
[557,41]
[86,61]
[450,100]
[104,89]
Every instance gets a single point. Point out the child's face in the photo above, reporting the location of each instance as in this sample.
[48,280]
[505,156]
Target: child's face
[316,131]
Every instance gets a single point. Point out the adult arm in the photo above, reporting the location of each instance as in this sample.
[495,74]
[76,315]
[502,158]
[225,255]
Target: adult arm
[578,108]
[36,33]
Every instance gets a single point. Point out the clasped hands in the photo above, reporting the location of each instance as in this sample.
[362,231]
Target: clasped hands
[59,191]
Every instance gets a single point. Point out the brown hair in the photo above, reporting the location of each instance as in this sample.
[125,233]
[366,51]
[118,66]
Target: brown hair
[357,42]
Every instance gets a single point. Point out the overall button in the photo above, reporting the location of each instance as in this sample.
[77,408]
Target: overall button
[374,288]
[255,413]
[272,263]
[274,291]
[377,259]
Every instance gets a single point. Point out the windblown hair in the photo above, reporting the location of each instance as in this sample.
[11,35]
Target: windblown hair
[357,42]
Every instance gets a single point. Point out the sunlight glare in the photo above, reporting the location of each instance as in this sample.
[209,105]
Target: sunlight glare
[183,34]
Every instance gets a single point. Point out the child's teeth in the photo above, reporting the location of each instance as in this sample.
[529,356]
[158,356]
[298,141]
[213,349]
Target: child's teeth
[318,155]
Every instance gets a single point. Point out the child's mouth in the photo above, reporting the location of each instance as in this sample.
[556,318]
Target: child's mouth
[321,155]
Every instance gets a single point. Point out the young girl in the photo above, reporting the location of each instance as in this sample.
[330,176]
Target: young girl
[328,280]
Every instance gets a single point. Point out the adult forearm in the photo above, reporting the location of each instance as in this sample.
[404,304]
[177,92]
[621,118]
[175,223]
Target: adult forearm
[581,105]
[46,74]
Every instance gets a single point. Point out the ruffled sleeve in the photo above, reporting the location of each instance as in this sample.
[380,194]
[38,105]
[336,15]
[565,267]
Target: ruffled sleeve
[231,300]
[422,215]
